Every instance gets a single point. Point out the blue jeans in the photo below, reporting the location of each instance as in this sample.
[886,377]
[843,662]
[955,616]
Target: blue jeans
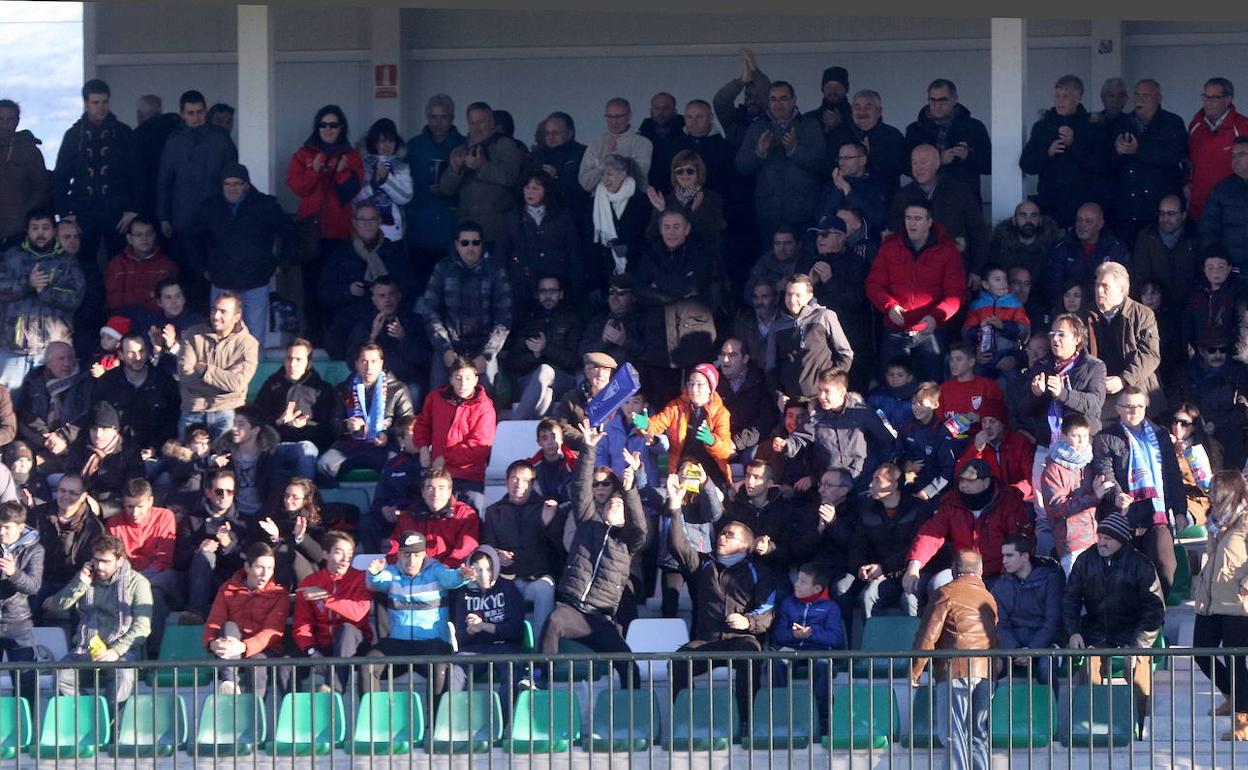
[299,457]
[927,354]
[255,309]
[217,422]
[966,721]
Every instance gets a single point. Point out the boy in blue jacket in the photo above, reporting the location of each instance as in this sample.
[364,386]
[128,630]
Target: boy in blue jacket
[810,620]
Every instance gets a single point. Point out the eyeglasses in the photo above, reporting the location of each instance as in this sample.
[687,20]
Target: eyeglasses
[1222,349]
[71,492]
[367,220]
[603,483]
[1058,334]
[616,116]
[469,241]
[849,157]
[328,125]
[1213,97]
[223,492]
[685,170]
[1184,423]
[619,292]
[1131,407]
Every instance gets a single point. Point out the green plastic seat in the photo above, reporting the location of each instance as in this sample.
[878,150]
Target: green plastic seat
[16,728]
[150,725]
[73,726]
[389,723]
[1022,716]
[309,723]
[1100,715]
[530,640]
[1181,588]
[887,633]
[359,476]
[924,719]
[230,725]
[1192,532]
[333,372]
[181,643]
[627,721]
[703,719]
[863,716]
[785,719]
[580,668]
[544,721]
[264,370]
[467,722]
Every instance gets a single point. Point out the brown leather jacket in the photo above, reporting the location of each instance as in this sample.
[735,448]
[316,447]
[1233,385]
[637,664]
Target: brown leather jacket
[961,616]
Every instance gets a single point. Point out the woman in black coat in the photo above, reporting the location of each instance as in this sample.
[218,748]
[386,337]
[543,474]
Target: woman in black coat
[538,240]
[294,529]
[621,212]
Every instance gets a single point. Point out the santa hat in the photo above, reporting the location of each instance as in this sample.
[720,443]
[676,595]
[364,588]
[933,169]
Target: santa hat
[117,327]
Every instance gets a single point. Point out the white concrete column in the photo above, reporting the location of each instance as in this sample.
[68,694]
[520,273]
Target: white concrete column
[1009,80]
[386,58]
[90,46]
[1105,44]
[256,75]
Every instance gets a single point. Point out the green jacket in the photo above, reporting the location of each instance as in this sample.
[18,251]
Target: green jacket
[103,599]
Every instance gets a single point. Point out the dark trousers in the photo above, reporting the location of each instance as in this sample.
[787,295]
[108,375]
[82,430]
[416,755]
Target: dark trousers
[1158,545]
[435,673]
[348,643]
[18,644]
[1224,631]
[747,679]
[597,632]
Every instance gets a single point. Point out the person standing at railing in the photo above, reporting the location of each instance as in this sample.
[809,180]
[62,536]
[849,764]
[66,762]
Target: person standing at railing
[962,615]
[1113,599]
[1221,594]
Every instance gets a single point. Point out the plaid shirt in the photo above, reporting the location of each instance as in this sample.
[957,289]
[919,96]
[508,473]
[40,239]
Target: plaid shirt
[468,309]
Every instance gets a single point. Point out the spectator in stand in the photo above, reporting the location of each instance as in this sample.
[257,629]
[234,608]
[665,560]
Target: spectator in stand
[917,282]
[701,506]
[996,322]
[1077,255]
[1142,481]
[1024,239]
[1225,213]
[400,333]
[1070,493]
[468,307]
[616,141]
[1219,592]
[431,215]
[846,295]
[542,352]
[22,484]
[851,184]
[53,406]
[210,543]
[1213,382]
[881,539]
[1123,334]
[809,619]
[697,426]
[886,145]
[1029,605]
[105,462]
[451,527]
[963,143]
[169,324]
[559,154]
[1068,152]
[686,190]
[755,86]
[40,289]
[294,528]
[807,341]
[215,364]
[399,484]
[754,323]
[455,431]
[926,449]
[299,404]
[98,180]
[68,527]
[326,173]
[366,406]
[598,369]
[785,151]
[525,532]
[1167,253]
[352,268]
[979,517]
[759,501]
[1113,599]
[488,616]
[1149,154]
[1214,308]
[553,462]
[1208,133]
[955,207]
[249,448]
[146,398]
[130,277]
[699,135]
[539,240]
[222,116]
[616,333]
[23,177]
[149,534]
[964,394]
[895,395]
[387,179]
[663,128]
[776,265]
[21,575]
[1009,454]
[484,173]
[114,605]
[1190,436]
[743,389]
[332,608]
[152,129]
[621,212]
[962,616]
[248,621]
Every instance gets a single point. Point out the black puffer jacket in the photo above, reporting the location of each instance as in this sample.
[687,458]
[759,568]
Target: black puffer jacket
[1111,458]
[1083,392]
[885,540]
[149,413]
[601,555]
[531,250]
[1121,596]
[65,549]
[16,589]
[235,246]
[750,407]
[853,438]
[519,529]
[962,128]
[312,395]
[1071,178]
[1225,219]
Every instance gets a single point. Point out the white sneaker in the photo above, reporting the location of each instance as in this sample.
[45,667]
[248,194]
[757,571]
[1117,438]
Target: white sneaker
[226,687]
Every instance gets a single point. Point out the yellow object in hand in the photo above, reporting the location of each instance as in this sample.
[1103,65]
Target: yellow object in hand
[96,647]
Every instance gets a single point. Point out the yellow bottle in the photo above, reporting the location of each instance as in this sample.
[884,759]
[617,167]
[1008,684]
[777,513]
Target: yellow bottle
[96,647]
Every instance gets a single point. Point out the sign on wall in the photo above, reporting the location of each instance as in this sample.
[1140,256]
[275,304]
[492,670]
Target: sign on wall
[386,81]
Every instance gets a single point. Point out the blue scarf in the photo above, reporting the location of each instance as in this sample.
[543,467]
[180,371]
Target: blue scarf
[1144,469]
[1067,456]
[374,415]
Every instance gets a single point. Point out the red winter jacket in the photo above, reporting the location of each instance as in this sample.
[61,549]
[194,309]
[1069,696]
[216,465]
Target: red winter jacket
[260,615]
[451,535]
[132,281]
[1210,152]
[930,283]
[326,193]
[1005,515]
[349,602]
[461,432]
[148,545]
[1011,463]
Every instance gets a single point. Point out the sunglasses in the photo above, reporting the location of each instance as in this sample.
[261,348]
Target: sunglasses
[683,170]
[469,242]
[603,484]
[223,492]
[329,125]
[1184,423]
[1220,349]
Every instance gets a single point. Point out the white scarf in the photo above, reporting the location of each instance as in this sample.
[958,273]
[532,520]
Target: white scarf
[607,206]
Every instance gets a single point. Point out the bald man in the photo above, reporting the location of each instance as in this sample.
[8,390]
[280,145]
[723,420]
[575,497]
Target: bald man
[1077,254]
[954,207]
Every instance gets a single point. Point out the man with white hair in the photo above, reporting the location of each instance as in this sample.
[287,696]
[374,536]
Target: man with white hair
[1123,334]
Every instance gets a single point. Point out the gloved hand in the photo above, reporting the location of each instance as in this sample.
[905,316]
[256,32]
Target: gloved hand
[745,439]
[704,434]
[641,420]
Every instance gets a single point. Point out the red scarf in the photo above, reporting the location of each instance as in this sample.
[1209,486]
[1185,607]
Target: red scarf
[813,598]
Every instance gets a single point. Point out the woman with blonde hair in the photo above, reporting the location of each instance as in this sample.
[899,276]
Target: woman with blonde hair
[704,208]
[1221,595]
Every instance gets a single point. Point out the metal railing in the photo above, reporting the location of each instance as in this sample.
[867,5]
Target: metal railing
[774,707]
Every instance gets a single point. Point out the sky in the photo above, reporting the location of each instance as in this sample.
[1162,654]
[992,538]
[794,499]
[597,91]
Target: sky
[41,58]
